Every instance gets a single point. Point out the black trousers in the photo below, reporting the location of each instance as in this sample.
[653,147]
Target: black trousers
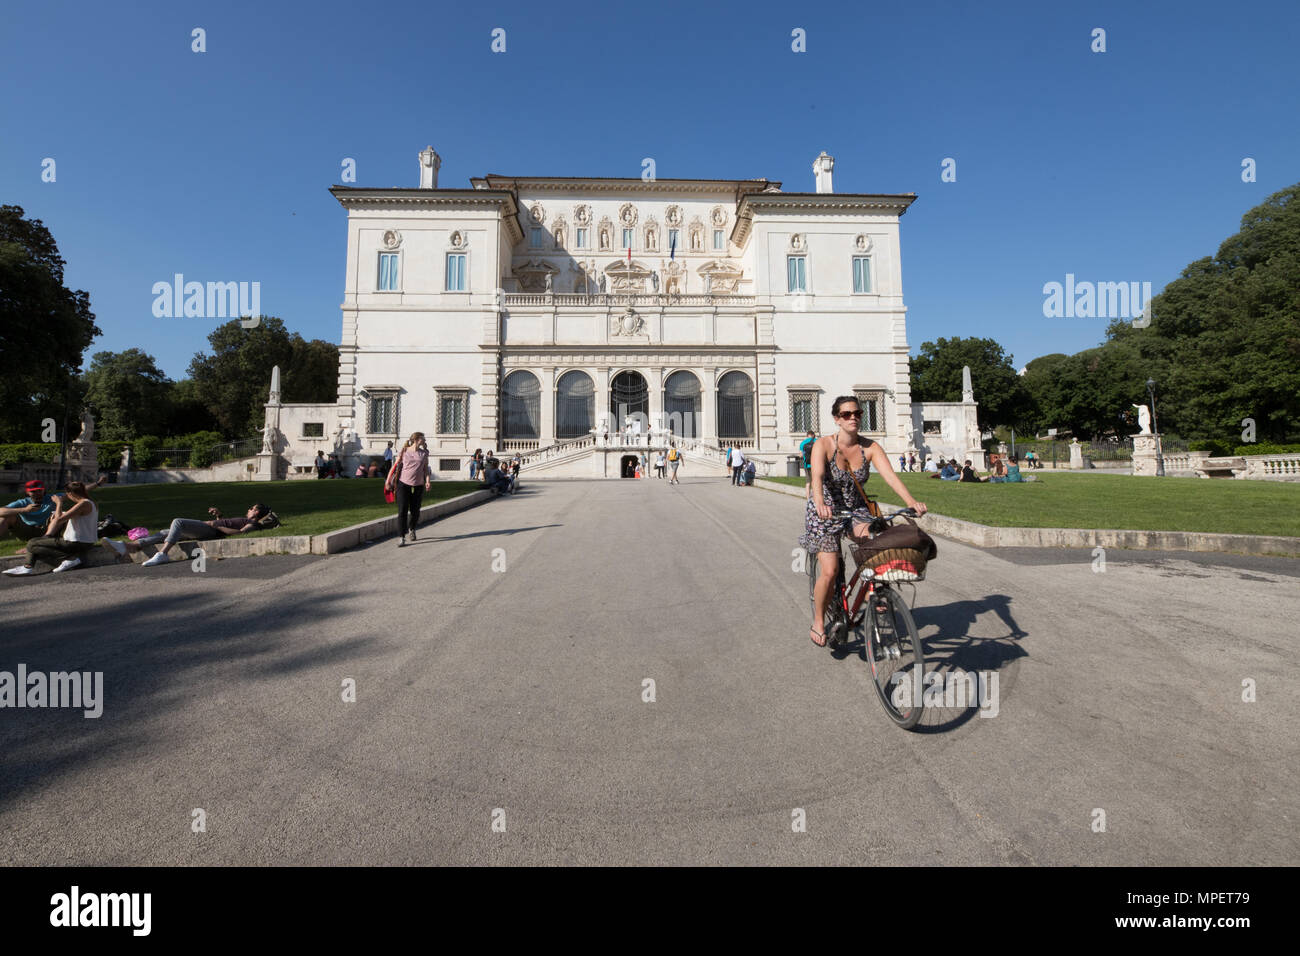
[54,551]
[408,507]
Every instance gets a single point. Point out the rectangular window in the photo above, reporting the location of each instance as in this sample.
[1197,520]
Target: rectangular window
[383,414]
[451,413]
[580,236]
[388,272]
[313,429]
[449,464]
[456,272]
[861,273]
[796,271]
[803,412]
[719,240]
[535,238]
[873,410]
[627,238]
[674,239]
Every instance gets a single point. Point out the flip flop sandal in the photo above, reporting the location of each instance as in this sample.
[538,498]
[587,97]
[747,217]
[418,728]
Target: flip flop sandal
[819,634]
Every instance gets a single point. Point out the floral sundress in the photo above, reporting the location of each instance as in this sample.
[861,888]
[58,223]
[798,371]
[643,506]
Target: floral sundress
[838,491]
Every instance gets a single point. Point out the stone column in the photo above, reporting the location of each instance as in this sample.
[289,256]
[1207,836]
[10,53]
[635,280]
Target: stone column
[547,434]
[1076,455]
[709,427]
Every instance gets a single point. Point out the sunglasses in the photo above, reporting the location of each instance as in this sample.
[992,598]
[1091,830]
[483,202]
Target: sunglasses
[857,414]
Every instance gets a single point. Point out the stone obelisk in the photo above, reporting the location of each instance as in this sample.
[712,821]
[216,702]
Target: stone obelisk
[268,459]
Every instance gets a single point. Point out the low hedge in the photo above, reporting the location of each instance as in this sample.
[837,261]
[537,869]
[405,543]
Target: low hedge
[44,453]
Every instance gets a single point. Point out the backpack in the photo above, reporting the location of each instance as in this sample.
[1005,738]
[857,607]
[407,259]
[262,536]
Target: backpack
[268,520]
[110,527]
[673,456]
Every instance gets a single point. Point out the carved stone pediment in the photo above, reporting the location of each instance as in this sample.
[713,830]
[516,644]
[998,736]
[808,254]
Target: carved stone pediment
[723,276]
[627,278]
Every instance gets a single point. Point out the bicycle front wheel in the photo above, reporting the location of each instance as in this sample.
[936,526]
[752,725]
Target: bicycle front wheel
[893,649]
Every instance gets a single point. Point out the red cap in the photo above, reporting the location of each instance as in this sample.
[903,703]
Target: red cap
[34,485]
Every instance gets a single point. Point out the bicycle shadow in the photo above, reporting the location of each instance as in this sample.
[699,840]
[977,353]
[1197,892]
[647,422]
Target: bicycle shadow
[952,652]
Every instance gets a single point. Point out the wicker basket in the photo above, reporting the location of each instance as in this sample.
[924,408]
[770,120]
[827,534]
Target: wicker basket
[893,564]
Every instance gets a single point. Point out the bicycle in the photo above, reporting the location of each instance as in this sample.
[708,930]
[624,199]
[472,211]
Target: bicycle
[871,607]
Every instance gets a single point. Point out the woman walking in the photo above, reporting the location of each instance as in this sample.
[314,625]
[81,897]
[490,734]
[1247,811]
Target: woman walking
[841,465]
[77,516]
[410,479]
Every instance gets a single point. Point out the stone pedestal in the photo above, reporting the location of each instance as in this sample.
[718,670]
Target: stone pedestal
[266,467]
[83,461]
[1076,454]
[1144,454]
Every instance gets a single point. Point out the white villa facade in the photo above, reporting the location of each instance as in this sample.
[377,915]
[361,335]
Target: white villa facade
[542,314]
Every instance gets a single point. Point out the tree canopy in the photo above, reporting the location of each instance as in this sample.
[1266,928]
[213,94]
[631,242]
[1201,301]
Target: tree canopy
[44,328]
[936,377]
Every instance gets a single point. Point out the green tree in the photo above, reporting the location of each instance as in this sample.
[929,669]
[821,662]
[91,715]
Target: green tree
[128,393]
[45,328]
[232,382]
[936,377]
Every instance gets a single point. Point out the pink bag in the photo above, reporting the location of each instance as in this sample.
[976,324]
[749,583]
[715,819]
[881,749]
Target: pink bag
[135,534]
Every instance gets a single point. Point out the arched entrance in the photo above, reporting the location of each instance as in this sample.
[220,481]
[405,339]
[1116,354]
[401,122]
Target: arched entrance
[629,397]
[683,404]
[627,466]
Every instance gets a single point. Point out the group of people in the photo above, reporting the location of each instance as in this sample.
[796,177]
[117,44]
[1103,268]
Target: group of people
[1001,471]
[742,470]
[497,475]
[60,528]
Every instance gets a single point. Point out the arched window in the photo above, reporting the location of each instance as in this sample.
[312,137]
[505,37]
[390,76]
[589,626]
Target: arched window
[575,405]
[521,406]
[683,404]
[629,397]
[735,406]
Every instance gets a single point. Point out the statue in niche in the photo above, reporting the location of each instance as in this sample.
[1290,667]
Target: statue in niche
[708,284]
[652,240]
[548,282]
[602,285]
[697,240]
[654,281]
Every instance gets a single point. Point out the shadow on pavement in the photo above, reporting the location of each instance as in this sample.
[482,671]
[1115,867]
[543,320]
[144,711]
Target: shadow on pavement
[155,653]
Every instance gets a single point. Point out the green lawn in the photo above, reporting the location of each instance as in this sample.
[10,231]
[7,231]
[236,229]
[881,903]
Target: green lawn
[1067,500]
[304,507]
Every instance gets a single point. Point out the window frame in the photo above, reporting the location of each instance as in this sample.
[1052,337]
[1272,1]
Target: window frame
[802,259]
[397,272]
[440,394]
[464,274]
[874,397]
[871,278]
[813,398]
[373,397]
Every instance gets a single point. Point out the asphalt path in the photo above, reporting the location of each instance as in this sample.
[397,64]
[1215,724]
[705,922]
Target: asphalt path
[500,666]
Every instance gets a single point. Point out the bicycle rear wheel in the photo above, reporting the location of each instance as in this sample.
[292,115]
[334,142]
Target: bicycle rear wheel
[833,623]
[893,650]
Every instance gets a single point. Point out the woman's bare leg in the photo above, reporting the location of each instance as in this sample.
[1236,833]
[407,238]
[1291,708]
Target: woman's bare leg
[828,563]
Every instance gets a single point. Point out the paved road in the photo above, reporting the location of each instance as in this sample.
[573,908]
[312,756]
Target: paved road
[522,690]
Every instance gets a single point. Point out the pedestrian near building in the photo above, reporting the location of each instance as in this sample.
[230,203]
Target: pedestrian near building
[661,463]
[674,462]
[736,462]
[410,479]
[805,449]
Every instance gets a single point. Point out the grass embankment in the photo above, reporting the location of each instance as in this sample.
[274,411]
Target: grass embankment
[304,507]
[1067,500]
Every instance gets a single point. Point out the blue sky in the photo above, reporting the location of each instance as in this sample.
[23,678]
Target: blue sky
[1115,166]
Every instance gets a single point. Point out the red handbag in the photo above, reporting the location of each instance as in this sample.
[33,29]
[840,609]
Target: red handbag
[389,495]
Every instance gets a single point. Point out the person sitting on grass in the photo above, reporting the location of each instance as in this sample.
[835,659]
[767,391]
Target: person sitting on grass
[949,472]
[968,473]
[1012,474]
[77,516]
[29,518]
[189,529]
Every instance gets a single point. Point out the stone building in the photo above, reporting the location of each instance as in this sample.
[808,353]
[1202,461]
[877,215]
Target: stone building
[546,314]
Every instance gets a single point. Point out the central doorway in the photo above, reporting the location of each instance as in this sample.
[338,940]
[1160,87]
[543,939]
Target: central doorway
[629,397]
[627,466]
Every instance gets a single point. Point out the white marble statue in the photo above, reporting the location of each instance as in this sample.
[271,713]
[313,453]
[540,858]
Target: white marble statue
[1144,419]
[268,439]
[87,427]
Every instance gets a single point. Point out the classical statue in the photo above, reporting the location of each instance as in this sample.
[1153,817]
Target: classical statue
[708,284]
[126,458]
[602,285]
[548,282]
[654,281]
[87,426]
[268,439]
[1144,419]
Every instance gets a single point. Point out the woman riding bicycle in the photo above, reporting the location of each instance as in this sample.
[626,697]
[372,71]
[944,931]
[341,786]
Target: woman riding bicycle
[841,464]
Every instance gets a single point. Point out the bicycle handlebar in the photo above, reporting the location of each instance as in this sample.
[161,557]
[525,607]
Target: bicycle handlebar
[904,513]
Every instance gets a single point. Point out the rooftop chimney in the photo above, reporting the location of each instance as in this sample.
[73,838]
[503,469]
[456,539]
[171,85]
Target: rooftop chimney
[429,164]
[822,167]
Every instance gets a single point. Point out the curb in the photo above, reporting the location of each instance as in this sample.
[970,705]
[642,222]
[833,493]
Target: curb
[988,536]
